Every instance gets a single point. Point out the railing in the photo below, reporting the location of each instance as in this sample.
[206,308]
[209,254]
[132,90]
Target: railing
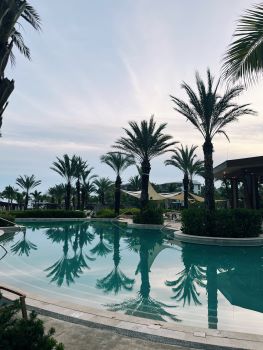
[22,298]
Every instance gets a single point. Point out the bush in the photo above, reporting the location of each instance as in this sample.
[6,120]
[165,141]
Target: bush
[20,334]
[105,213]
[48,213]
[10,219]
[231,223]
[130,211]
[151,216]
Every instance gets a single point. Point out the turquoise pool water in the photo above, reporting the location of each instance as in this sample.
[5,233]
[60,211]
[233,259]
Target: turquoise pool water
[138,272]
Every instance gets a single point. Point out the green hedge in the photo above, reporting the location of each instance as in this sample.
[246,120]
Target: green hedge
[105,213]
[48,213]
[130,211]
[4,223]
[232,223]
[151,216]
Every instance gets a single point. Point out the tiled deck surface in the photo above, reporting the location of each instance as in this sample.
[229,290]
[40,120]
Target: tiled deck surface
[138,328]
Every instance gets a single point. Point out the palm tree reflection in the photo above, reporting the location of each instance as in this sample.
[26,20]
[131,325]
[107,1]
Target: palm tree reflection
[102,248]
[73,262]
[23,247]
[116,279]
[144,305]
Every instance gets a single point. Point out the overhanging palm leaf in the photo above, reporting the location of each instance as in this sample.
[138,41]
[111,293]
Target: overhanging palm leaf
[244,58]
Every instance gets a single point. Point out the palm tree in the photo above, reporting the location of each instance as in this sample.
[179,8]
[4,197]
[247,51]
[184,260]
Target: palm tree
[27,183]
[196,168]
[210,113]
[135,183]
[244,57]
[65,167]
[9,193]
[87,186]
[118,162]
[103,186]
[37,197]
[184,159]
[80,168]
[57,194]
[144,142]
[11,11]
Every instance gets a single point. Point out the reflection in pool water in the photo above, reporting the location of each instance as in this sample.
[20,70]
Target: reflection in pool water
[139,273]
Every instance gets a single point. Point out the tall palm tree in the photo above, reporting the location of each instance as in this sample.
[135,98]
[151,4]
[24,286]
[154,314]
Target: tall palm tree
[196,168]
[135,183]
[103,185]
[20,198]
[184,159]
[87,186]
[27,183]
[210,113]
[57,194]
[65,167]
[12,11]
[80,168]
[244,57]
[118,162]
[144,142]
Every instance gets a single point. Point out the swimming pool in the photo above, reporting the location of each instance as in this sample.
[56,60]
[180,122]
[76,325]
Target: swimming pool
[139,273]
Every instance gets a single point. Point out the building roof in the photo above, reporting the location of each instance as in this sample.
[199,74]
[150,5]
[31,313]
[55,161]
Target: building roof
[239,167]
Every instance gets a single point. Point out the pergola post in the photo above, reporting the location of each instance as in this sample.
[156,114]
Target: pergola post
[234,193]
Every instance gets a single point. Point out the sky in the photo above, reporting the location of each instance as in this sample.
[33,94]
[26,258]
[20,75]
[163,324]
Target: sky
[98,64]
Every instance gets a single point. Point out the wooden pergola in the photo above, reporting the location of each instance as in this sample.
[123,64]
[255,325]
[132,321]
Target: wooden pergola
[248,171]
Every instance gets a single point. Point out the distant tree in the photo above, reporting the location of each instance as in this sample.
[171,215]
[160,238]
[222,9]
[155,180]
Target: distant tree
[210,113]
[118,162]
[27,183]
[37,197]
[80,168]
[144,142]
[103,185]
[135,183]
[87,186]
[57,193]
[9,193]
[244,57]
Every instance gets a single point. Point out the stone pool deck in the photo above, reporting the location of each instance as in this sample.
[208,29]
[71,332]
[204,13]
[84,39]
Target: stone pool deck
[148,330]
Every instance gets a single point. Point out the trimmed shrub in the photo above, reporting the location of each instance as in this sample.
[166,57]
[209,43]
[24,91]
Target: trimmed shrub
[10,219]
[48,213]
[130,211]
[150,216]
[105,213]
[231,223]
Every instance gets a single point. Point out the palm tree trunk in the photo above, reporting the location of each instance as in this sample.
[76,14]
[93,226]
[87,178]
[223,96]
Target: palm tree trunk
[209,176]
[146,168]
[83,198]
[186,186]
[78,194]
[117,195]
[68,193]
[191,185]
[26,201]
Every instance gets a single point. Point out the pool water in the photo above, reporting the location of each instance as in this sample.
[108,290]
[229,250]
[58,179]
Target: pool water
[139,273]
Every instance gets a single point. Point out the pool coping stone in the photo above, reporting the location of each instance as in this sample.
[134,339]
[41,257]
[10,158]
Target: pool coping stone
[143,328]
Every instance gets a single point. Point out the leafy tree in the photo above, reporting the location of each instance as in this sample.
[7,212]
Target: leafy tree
[244,57]
[12,11]
[87,186]
[66,167]
[144,142]
[57,194]
[184,159]
[37,197]
[118,162]
[103,185]
[27,183]
[210,113]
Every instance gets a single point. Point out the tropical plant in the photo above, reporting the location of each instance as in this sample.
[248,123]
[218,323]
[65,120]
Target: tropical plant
[210,113]
[87,186]
[144,142]
[65,167]
[57,194]
[11,11]
[37,197]
[244,57]
[134,183]
[118,162]
[27,183]
[20,198]
[80,166]
[9,193]
[184,159]
[103,185]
